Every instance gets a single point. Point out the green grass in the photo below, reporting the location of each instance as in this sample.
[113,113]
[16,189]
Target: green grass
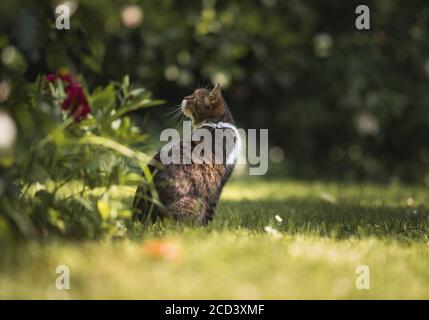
[328,229]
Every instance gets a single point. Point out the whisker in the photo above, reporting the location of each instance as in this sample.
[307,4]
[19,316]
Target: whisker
[175,118]
[176,109]
[172,112]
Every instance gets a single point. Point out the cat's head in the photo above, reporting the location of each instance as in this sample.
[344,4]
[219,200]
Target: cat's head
[204,105]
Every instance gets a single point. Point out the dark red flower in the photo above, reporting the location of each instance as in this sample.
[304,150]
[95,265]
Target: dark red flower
[51,77]
[63,77]
[75,102]
[66,78]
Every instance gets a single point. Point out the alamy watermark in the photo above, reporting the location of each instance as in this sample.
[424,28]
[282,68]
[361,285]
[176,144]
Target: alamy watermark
[63,280]
[216,143]
[63,13]
[62,21]
[363,277]
[362,21]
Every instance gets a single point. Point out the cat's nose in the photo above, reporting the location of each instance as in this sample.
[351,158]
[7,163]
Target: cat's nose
[184,102]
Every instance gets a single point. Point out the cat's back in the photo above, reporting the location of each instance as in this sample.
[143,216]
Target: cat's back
[210,168]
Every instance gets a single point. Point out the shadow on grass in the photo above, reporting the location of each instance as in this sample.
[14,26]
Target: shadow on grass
[317,217]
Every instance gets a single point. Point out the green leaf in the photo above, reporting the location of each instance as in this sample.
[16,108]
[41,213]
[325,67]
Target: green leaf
[102,100]
[142,104]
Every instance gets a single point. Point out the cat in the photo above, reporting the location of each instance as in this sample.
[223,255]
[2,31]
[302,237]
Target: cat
[192,191]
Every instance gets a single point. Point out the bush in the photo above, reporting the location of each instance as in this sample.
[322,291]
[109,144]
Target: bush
[72,149]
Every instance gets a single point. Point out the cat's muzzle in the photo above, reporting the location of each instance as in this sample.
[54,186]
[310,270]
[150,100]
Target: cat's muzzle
[184,105]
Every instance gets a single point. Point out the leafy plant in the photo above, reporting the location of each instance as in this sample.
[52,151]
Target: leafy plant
[72,149]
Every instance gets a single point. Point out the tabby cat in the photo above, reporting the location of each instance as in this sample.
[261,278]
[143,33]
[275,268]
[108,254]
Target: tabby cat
[192,191]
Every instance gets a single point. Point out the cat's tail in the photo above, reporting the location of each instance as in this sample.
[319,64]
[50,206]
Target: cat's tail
[139,204]
[144,208]
[146,205]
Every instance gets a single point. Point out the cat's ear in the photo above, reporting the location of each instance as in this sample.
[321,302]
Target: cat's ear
[215,95]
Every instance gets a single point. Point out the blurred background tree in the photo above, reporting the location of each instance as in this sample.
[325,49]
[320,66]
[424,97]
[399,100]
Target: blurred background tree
[339,103]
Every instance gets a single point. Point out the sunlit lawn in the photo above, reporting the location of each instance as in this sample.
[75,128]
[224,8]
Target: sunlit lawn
[322,233]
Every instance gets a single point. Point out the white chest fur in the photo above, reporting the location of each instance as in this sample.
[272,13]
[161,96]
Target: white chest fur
[232,156]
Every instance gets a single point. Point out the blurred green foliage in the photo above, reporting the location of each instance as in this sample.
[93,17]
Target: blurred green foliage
[339,102]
